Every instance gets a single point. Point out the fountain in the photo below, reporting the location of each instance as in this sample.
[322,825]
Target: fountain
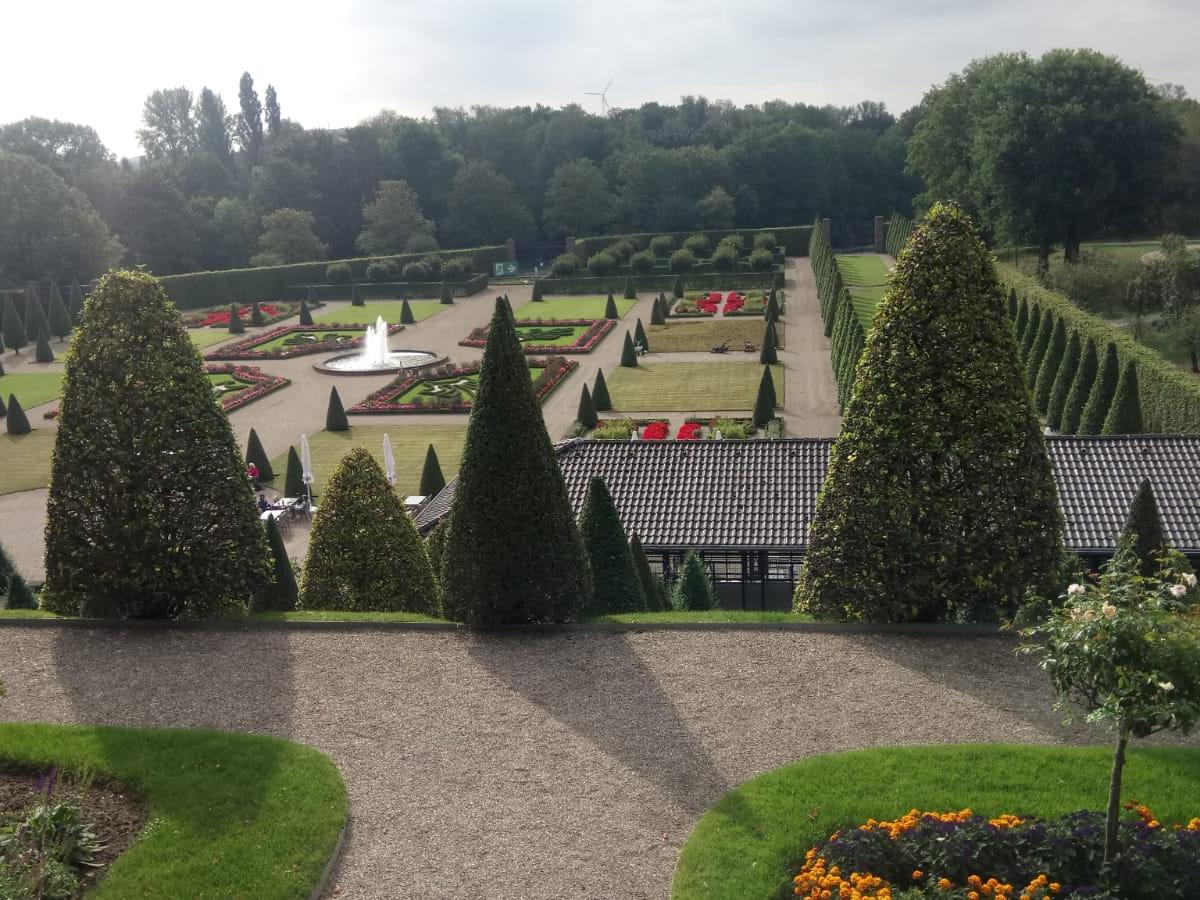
[376,357]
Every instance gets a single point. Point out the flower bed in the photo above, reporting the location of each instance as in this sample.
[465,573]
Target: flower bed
[458,384]
[257,384]
[218,316]
[697,306]
[530,331]
[298,341]
[688,431]
[655,431]
[965,856]
[751,303]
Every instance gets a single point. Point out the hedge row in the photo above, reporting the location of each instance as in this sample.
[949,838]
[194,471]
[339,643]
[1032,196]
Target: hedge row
[714,281]
[197,290]
[388,290]
[1046,322]
[793,239]
[898,233]
[842,325]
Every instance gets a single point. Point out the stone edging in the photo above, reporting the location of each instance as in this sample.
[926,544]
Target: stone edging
[318,890]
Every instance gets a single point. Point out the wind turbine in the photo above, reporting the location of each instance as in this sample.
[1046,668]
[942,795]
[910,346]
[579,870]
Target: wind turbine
[603,95]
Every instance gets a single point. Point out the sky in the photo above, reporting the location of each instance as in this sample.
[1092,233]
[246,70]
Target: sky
[337,63]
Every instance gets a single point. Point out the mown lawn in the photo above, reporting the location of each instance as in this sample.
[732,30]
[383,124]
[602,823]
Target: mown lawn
[750,844]
[722,616]
[409,443]
[583,307]
[31,388]
[690,386]
[207,337]
[281,342]
[866,277]
[345,314]
[25,459]
[700,335]
[231,815]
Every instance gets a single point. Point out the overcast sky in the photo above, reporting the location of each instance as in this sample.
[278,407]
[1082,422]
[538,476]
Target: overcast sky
[335,63]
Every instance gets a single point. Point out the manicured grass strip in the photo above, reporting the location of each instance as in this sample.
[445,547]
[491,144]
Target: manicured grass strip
[749,845]
[25,458]
[231,815]
[862,270]
[32,388]
[281,342]
[732,616]
[690,387]
[26,614]
[207,337]
[344,313]
[329,615]
[409,443]
[585,307]
[701,335]
[865,300]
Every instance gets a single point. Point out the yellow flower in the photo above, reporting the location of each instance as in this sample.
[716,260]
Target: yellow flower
[944,883]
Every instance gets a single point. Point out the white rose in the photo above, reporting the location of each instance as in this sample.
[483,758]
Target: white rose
[1190,580]
[1179,591]
[1166,686]
[1075,589]
[1089,615]
[1109,611]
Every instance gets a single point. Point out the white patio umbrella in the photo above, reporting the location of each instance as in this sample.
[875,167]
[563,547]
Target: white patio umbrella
[389,461]
[306,467]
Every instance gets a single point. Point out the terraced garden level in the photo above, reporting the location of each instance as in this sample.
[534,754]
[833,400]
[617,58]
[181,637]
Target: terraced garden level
[25,459]
[866,278]
[586,307]
[346,314]
[701,335]
[690,387]
[31,388]
[455,388]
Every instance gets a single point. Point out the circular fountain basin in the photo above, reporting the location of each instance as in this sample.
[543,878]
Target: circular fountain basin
[358,364]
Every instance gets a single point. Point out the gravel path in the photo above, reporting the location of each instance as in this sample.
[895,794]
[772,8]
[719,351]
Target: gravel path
[529,766]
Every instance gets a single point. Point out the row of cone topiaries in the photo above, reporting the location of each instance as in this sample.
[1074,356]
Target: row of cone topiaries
[842,324]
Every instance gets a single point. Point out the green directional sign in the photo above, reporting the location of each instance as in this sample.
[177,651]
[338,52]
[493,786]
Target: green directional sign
[504,268]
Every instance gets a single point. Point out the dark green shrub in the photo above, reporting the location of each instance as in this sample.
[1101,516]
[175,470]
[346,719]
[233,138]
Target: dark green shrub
[280,592]
[639,336]
[14,328]
[406,314]
[657,316]
[136,404]
[1022,321]
[610,308]
[1081,388]
[305,314]
[7,566]
[762,260]
[621,251]
[338,273]
[42,352]
[421,243]
[724,259]
[379,273]
[652,585]
[60,317]
[513,551]
[432,479]
[697,245]
[1103,390]
[768,355]
[435,544]
[600,398]
[335,413]
[693,588]
[15,420]
[256,316]
[537,290]
[394,268]
[1051,363]
[1125,411]
[257,455]
[1029,338]
[565,265]
[1041,341]
[293,479]
[677,287]
[414,271]
[457,269]
[365,553]
[922,517]
[1013,305]
[435,264]
[1063,380]
[602,263]
[36,323]
[630,293]
[19,594]
[1143,534]
[356,297]
[682,261]
[628,353]
[616,587]
[662,245]
[765,240]
[586,415]
[772,312]
[235,320]
[764,402]
[447,295]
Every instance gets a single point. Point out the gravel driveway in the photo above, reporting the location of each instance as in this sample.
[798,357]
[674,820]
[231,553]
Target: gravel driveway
[533,766]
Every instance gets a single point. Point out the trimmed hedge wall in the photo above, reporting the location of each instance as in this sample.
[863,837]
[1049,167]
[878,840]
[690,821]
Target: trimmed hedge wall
[898,233]
[842,325]
[390,290]
[713,281]
[197,290]
[792,238]
[1170,399]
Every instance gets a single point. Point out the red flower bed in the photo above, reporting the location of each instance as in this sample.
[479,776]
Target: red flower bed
[218,316]
[261,384]
[734,302]
[386,400]
[655,431]
[688,431]
[585,343]
[245,349]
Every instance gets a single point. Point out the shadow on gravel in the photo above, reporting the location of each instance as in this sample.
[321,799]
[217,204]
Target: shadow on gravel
[156,677]
[596,685]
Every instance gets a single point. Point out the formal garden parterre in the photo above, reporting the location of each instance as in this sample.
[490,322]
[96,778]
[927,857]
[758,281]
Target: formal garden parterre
[540,336]
[452,389]
[288,341]
[235,386]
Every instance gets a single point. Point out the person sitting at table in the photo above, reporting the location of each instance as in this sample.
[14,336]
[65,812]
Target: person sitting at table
[264,505]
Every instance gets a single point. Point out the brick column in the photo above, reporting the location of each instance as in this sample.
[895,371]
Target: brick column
[510,250]
[827,227]
[879,244]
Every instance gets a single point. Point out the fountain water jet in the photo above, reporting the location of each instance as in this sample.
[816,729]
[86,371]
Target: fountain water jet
[376,357]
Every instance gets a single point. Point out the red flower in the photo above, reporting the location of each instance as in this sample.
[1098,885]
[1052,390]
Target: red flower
[688,431]
[655,431]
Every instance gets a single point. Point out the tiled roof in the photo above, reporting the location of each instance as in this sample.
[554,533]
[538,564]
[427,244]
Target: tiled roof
[761,494]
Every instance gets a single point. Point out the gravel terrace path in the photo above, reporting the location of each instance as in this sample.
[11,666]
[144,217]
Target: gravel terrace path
[534,766]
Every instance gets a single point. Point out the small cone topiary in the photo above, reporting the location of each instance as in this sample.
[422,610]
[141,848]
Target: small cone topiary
[42,352]
[1142,535]
[406,314]
[36,322]
[1029,338]
[767,355]
[447,296]
[335,413]
[616,587]
[657,316]
[1081,388]
[610,308]
[677,287]
[256,314]
[628,353]
[16,422]
[1037,352]
[537,290]
[693,589]
[365,553]
[764,403]
[586,416]
[13,327]
[281,592]
[235,320]
[1125,411]
[1052,361]
[639,336]
[600,398]
[1103,391]
[60,316]
[630,293]
[652,585]
[771,312]
[432,479]
[305,313]
[1062,382]
[356,297]
[1021,322]
[255,454]
[293,479]
[19,594]
[1012,303]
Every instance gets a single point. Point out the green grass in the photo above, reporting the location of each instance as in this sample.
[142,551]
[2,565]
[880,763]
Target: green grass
[701,335]
[32,388]
[230,385]
[585,307]
[231,815]
[281,342]
[367,314]
[753,840]
[329,615]
[206,337]
[689,387]
[409,443]
[26,614]
[25,459]
[460,388]
[866,277]
[732,616]
[538,334]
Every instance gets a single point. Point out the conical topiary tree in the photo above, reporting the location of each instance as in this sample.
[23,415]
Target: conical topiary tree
[36,323]
[15,336]
[1101,397]
[447,295]
[628,353]
[630,293]
[257,455]
[1029,338]
[76,303]
[435,543]
[280,592]
[19,594]
[1125,411]
[768,355]
[693,587]
[7,566]
[356,297]
[42,352]
[537,290]
[657,314]
[256,315]
[652,585]
[764,403]
[293,479]
[1021,322]
[616,587]
[600,398]
[305,313]
[939,503]
[136,404]
[610,308]
[1081,388]
[677,287]
[513,551]
[639,335]
[365,553]
[1143,536]
[335,413]
[586,416]
[432,479]
[1013,306]
[16,422]
[1062,382]
[60,317]
[771,312]
[1041,343]
[1051,362]
[235,320]
[406,314]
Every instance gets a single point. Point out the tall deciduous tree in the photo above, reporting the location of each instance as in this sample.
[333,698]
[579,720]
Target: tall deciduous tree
[150,513]
[274,115]
[939,502]
[288,237]
[484,208]
[248,124]
[212,125]
[578,200]
[392,219]
[168,124]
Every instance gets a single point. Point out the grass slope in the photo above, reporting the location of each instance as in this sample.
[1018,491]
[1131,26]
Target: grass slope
[344,313]
[701,335]
[690,386]
[753,840]
[231,815]
[25,459]
[585,307]
[866,277]
[32,388]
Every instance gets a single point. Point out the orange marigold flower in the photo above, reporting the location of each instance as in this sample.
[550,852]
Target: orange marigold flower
[918,874]
[945,884]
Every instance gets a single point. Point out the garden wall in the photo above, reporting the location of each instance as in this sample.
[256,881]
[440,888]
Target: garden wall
[793,239]
[391,290]
[603,284]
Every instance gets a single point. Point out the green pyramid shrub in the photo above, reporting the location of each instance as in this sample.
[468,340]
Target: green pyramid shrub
[435,545]
[1081,388]
[1125,411]
[1062,382]
[15,336]
[432,479]
[60,317]
[256,315]
[236,325]
[1022,320]
[42,352]
[939,503]
[1013,306]
[628,353]
[16,422]
[335,413]
[639,336]
[657,314]
[764,403]
[365,553]
[305,313]
[586,416]
[537,290]
[257,455]
[447,295]
[677,287]
[281,592]
[600,398]
[1143,535]
[513,551]
[1103,391]
[406,314]
[293,479]
[771,312]
[137,409]
[36,323]
[1037,352]
[19,594]
[693,588]
[1031,332]
[1051,362]
[652,585]
[610,308]
[768,355]
[630,293]
[616,587]
[356,297]
[76,302]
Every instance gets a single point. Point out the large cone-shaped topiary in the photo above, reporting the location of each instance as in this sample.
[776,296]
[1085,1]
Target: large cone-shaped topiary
[432,479]
[281,591]
[513,551]
[1103,390]
[150,512]
[293,480]
[939,501]
[1143,536]
[257,455]
[60,316]
[365,553]
[693,589]
[1125,411]
[652,585]
[15,420]
[586,416]
[616,587]
[600,398]
[1063,381]
[1081,388]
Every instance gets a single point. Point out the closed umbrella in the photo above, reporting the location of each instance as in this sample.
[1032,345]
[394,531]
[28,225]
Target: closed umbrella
[306,467]
[389,461]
